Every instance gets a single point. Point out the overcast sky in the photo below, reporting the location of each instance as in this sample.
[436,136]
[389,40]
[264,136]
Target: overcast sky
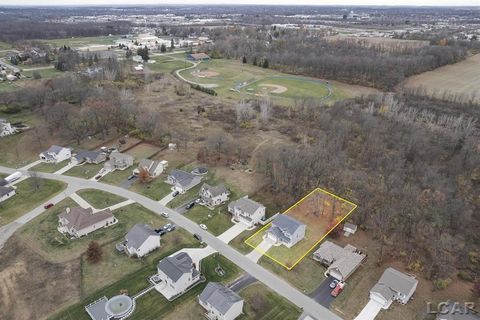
[274,2]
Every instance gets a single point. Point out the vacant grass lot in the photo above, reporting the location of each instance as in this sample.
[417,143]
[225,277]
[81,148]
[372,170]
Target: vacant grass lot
[118,176]
[28,198]
[156,189]
[85,171]
[217,220]
[43,236]
[81,41]
[152,305]
[143,151]
[100,199]
[49,167]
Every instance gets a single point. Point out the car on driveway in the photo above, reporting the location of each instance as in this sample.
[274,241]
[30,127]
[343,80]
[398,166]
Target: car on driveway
[131,177]
[190,205]
[175,194]
[198,237]
[338,289]
[48,205]
[333,284]
[204,227]
[164,214]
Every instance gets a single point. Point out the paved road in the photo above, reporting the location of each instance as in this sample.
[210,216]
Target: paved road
[273,281]
[322,293]
[242,282]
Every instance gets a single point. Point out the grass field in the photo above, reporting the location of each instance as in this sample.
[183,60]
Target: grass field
[44,73]
[156,189]
[217,220]
[153,304]
[28,198]
[460,79]
[49,167]
[321,212]
[81,41]
[250,80]
[100,199]
[143,151]
[118,176]
[166,66]
[85,171]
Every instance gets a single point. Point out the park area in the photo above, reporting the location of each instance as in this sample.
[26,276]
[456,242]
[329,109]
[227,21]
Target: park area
[234,79]
[321,211]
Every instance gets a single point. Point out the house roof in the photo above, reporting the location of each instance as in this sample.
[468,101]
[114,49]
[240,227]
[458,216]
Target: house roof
[219,297]
[393,281]
[183,178]
[350,226]
[54,149]
[246,204]
[456,311]
[83,154]
[117,156]
[3,182]
[149,165]
[139,234]
[5,190]
[343,260]
[177,265]
[286,223]
[80,218]
[200,55]
[96,310]
[215,190]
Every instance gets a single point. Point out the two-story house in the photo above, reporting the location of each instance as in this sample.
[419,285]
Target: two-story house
[220,302]
[247,211]
[56,154]
[285,230]
[213,196]
[177,273]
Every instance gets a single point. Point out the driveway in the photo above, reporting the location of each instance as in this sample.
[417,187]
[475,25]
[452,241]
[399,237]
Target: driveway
[242,282]
[165,200]
[128,183]
[183,208]
[322,293]
[232,232]
[197,254]
[65,169]
[259,251]
[370,311]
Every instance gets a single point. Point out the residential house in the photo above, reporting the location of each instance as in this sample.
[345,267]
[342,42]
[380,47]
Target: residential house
[349,229]
[456,311]
[154,168]
[6,192]
[221,303]
[213,196]
[78,222]
[198,56]
[340,262]
[87,156]
[285,230]
[393,286]
[118,161]
[183,181]
[6,128]
[56,154]
[247,211]
[177,273]
[141,240]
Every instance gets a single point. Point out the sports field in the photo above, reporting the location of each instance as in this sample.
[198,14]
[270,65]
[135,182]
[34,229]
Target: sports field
[321,211]
[234,79]
[461,79]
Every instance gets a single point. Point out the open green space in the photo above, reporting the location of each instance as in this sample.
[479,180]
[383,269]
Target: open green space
[44,73]
[152,305]
[29,196]
[217,220]
[143,151]
[85,171]
[155,189]
[118,176]
[166,66]
[49,167]
[81,41]
[100,199]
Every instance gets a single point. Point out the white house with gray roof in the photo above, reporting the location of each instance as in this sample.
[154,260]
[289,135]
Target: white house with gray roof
[220,302]
[87,156]
[118,161]
[6,193]
[286,230]
[141,240]
[213,196]
[78,222]
[56,154]
[154,168]
[247,211]
[393,285]
[183,181]
[6,128]
[340,262]
[177,273]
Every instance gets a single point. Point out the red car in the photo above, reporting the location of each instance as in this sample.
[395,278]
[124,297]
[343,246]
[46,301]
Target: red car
[48,205]
[335,292]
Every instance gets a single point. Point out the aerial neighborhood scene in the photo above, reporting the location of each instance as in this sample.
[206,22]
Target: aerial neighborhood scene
[246,160]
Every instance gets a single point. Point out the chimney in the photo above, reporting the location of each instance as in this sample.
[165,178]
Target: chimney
[67,209]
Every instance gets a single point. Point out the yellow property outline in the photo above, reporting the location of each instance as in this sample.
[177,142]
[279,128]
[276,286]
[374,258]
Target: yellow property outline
[316,243]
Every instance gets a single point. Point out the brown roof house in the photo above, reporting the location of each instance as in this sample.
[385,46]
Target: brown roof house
[78,222]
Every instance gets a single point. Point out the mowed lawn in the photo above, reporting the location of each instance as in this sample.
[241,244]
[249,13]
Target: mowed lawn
[100,199]
[82,41]
[27,198]
[166,66]
[85,171]
[153,305]
[118,176]
[49,167]
[155,189]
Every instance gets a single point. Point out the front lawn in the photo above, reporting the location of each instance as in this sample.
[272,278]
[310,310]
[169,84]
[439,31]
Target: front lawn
[156,189]
[49,167]
[118,176]
[217,220]
[85,171]
[100,199]
[27,198]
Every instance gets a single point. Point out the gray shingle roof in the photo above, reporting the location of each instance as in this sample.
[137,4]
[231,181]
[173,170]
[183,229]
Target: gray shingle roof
[183,178]
[138,235]
[176,266]
[286,223]
[84,154]
[246,205]
[5,190]
[96,310]
[219,297]
[3,182]
[393,281]
[215,190]
[80,218]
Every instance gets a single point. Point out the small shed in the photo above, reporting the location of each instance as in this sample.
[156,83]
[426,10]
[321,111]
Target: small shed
[349,229]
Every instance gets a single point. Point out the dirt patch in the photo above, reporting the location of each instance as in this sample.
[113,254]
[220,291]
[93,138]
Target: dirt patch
[204,74]
[275,88]
[30,286]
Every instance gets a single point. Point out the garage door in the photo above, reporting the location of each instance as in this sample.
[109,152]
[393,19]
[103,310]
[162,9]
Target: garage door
[370,311]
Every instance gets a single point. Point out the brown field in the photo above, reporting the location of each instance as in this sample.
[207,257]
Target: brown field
[457,81]
[142,151]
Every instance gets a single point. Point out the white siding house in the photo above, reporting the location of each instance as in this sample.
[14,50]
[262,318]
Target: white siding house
[220,302]
[6,192]
[78,222]
[392,286]
[213,196]
[6,128]
[177,273]
[56,154]
[247,211]
[141,240]
[286,230]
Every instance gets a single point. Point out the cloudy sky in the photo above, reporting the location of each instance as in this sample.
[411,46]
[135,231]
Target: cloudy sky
[275,2]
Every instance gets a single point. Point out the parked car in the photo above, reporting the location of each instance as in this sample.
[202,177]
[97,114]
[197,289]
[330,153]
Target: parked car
[171,228]
[131,177]
[165,214]
[204,227]
[98,177]
[197,236]
[190,205]
[333,284]
[338,289]
[48,205]
[168,225]
[175,194]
